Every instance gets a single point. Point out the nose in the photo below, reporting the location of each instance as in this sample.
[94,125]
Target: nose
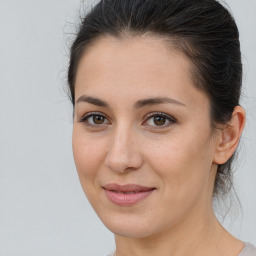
[123,154]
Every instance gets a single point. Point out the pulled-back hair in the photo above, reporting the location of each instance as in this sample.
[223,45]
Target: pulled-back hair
[204,30]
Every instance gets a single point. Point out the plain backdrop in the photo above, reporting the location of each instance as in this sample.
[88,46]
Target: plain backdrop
[43,210]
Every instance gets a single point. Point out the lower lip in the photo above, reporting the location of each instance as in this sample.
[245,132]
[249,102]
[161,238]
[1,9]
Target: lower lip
[123,199]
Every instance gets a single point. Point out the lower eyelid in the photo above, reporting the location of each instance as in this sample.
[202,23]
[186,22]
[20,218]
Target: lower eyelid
[170,122]
[91,116]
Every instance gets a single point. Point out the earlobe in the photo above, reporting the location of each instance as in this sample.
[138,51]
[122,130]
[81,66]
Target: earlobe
[229,136]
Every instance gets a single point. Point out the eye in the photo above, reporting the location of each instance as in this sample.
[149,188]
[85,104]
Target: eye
[159,120]
[94,119]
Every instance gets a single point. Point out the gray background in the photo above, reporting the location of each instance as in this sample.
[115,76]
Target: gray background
[43,210]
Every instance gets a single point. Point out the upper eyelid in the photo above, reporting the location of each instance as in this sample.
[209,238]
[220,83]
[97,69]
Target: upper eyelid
[88,114]
[145,118]
[170,119]
[159,113]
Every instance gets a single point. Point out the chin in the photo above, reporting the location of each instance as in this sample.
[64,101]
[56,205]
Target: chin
[131,232]
[132,227]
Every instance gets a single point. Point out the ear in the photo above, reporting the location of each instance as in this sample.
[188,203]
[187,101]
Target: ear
[229,136]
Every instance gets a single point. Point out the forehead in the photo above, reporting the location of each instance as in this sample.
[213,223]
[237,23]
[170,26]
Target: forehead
[136,67]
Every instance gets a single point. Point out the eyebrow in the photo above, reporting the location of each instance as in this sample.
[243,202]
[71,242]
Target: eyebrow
[92,100]
[157,100]
[138,104]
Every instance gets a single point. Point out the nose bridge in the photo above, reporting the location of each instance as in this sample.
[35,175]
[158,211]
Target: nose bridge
[123,152]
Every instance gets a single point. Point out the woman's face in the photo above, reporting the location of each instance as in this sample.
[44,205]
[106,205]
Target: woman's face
[142,140]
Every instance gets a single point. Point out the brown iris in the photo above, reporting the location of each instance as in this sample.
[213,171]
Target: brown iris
[159,120]
[98,119]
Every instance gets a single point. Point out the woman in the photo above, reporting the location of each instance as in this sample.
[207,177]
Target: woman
[155,87]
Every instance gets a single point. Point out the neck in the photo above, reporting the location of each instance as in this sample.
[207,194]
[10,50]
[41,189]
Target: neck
[196,236]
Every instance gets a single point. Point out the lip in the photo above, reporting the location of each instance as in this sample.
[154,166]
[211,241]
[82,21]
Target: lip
[127,195]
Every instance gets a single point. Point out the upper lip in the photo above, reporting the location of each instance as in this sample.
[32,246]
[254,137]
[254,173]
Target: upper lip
[127,187]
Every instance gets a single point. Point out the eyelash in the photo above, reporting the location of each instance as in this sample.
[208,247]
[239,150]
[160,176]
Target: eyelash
[168,118]
[85,118]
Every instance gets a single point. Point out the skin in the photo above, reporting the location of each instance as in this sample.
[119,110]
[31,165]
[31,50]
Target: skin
[178,158]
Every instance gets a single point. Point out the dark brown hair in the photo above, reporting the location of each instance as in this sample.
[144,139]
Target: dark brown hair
[204,30]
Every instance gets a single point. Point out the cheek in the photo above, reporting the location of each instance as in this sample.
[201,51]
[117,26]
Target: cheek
[88,155]
[183,163]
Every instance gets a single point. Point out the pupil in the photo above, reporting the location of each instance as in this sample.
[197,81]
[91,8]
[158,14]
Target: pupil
[98,119]
[159,120]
